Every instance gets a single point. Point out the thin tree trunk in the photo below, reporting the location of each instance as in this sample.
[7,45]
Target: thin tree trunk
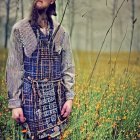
[133,20]
[115,2]
[22,9]
[7,2]
[72,18]
[17,9]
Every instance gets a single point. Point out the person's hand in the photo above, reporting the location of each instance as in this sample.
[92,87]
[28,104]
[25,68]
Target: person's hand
[67,108]
[17,114]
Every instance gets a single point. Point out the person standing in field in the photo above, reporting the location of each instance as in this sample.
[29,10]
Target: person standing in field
[40,73]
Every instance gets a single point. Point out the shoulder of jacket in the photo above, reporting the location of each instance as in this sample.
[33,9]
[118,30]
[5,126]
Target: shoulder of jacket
[20,23]
[61,33]
[61,29]
[23,31]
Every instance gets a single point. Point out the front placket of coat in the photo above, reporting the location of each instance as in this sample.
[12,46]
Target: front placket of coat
[42,109]
[44,101]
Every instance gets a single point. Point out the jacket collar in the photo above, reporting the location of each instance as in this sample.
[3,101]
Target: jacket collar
[29,39]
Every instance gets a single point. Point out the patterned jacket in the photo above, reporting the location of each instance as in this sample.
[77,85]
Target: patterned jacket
[22,36]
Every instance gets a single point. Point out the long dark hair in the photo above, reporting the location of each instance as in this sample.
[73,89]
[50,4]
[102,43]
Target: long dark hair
[51,10]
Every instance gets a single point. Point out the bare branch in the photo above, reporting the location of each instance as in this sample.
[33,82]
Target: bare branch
[106,2]
[120,48]
[68,1]
[93,69]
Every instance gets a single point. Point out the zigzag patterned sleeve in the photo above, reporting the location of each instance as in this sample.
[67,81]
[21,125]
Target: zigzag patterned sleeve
[14,69]
[68,67]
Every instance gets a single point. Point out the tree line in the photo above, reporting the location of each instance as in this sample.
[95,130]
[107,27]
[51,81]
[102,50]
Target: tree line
[10,9]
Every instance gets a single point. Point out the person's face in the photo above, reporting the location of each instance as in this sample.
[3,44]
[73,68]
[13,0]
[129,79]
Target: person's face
[42,4]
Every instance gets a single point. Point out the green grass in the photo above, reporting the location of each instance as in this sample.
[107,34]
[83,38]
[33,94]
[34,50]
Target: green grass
[108,109]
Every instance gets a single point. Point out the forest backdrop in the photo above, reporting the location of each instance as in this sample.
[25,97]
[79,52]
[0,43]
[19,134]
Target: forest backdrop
[105,38]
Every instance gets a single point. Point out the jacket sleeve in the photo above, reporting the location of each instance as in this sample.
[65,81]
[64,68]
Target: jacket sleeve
[14,70]
[68,67]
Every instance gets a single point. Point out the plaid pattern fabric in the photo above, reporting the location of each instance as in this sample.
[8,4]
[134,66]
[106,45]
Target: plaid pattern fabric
[43,90]
[45,62]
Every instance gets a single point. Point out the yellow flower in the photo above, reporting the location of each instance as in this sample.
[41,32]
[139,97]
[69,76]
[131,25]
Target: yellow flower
[66,134]
[124,118]
[98,106]
[82,129]
[114,125]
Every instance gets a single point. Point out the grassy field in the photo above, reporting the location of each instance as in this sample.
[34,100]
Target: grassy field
[106,104]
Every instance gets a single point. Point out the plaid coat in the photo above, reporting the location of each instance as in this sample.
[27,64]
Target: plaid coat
[21,82]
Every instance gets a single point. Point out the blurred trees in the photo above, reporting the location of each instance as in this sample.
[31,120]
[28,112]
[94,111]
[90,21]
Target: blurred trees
[9,10]
[84,20]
